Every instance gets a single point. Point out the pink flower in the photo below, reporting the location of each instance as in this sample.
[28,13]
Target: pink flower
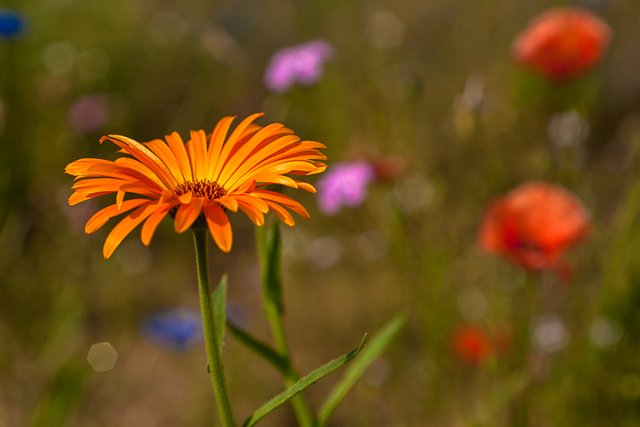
[89,114]
[303,64]
[344,184]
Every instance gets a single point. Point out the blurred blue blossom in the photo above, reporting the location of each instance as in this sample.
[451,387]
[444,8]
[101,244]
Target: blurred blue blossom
[303,64]
[176,329]
[344,184]
[11,24]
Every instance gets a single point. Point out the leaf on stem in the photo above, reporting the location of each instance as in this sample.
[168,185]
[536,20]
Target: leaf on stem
[262,349]
[378,343]
[219,302]
[302,384]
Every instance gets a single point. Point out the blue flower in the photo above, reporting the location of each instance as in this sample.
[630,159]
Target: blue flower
[11,24]
[176,329]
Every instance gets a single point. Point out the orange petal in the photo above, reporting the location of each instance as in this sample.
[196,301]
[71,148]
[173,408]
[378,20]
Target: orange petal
[164,152]
[282,200]
[257,202]
[177,146]
[151,224]
[306,187]
[101,217]
[144,156]
[219,226]
[199,147]
[282,214]
[231,143]
[125,227]
[216,142]
[187,214]
[254,214]
[237,159]
[229,202]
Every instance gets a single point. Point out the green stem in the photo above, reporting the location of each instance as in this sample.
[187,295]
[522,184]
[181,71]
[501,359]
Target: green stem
[215,368]
[300,406]
[269,251]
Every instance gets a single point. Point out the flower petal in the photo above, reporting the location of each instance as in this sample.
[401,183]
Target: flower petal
[187,214]
[125,227]
[101,217]
[230,144]
[151,224]
[219,226]
[177,146]
[216,142]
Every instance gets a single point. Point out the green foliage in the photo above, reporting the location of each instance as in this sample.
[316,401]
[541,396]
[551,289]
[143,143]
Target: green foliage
[447,100]
[378,343]
[304,382]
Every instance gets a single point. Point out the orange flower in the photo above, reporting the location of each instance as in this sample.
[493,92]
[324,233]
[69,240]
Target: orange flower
[197,179]
[533,225]
[562,42]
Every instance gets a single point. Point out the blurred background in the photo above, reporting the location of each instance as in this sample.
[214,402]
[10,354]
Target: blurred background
[429,93]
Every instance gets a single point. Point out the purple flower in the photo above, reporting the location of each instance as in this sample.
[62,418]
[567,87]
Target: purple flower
[11,24]
[344,184]
[89,114]
[176,329]
[303,64]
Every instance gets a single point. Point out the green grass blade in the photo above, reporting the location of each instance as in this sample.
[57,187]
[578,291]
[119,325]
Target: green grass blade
[262,349]
[377,345]
[219,301]
[302,384]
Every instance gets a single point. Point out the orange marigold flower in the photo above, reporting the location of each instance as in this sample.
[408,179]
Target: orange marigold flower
[533,225]
[204,177]
[562,42]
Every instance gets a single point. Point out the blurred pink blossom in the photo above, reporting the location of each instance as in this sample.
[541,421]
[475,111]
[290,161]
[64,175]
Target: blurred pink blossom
[303,64]
[344,184]
[89,114]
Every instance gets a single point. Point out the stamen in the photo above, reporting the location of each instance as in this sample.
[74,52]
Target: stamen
[203,188]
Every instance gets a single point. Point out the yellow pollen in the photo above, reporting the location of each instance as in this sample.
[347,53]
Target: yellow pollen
[203,188]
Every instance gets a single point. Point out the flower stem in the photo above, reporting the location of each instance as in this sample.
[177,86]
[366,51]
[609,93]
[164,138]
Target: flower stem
[300,406]
[214,360]
[269,252]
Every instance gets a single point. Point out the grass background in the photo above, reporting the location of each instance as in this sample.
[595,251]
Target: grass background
[403,90]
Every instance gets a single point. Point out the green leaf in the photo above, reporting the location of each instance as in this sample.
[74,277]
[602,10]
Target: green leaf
[269,244]
[263,349]
[302,384]
[377,345]
[219,302]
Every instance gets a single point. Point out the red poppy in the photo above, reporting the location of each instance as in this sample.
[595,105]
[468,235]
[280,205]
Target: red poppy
[471,344]
[533,225]
[562,42]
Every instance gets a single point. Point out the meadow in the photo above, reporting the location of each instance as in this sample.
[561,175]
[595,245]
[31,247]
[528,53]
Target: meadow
[431,98]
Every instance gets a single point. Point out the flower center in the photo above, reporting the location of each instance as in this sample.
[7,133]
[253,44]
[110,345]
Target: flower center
[203,188]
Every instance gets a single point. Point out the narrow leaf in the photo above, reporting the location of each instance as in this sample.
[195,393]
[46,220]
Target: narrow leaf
[269,244]
[377,345]
[302,384]
[219,307]
[262,349]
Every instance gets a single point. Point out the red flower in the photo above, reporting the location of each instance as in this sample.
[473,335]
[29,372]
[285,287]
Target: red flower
[562,42]
[533,225]
[471,344]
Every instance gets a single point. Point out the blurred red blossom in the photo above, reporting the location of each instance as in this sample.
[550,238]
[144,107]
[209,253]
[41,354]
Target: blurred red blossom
[533,225]
[562,43]
[472,344]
